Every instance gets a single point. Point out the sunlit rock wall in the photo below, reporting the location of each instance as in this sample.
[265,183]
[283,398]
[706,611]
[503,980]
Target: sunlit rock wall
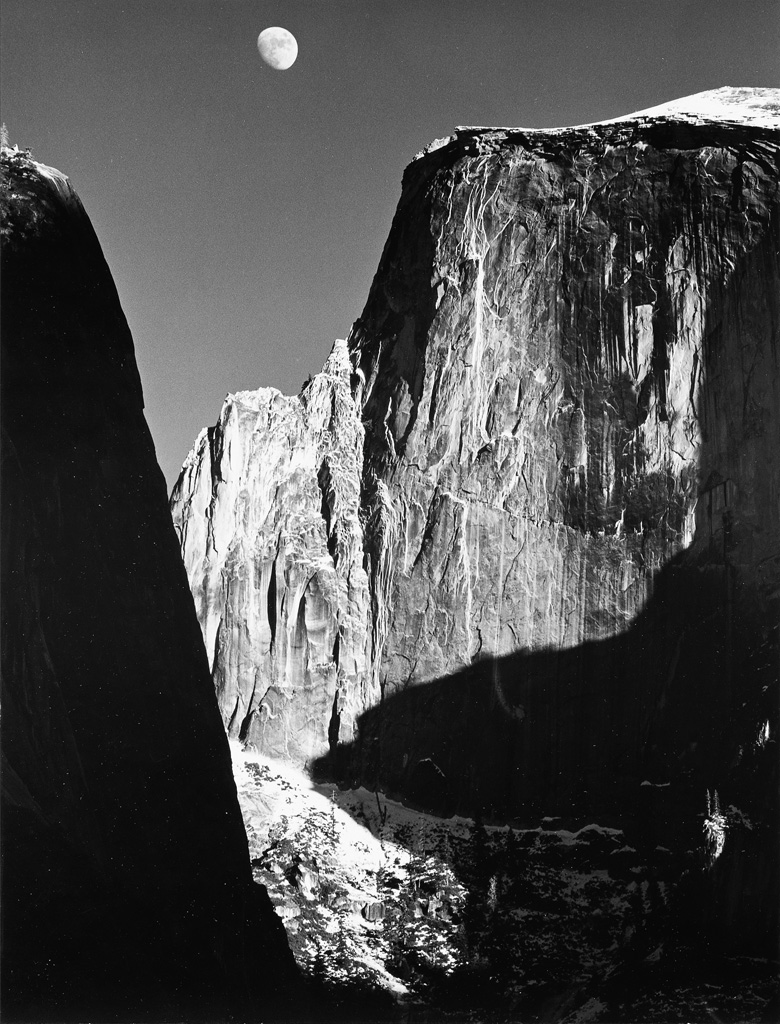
[267,509]
[566,372]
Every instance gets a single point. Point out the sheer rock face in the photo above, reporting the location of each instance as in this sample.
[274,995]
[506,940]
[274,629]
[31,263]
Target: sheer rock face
[127,889]
[570,385]
[563,560]
[267,509]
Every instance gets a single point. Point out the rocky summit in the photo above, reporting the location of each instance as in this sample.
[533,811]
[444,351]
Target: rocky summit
[127,891]
[515,550]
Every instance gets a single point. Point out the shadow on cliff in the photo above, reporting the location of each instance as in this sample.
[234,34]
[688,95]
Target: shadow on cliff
[638,727]
[634,729]
[576,731]
[631,731]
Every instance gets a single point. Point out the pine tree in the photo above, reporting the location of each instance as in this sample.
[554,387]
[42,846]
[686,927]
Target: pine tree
[510,847]
[444,848]
[656,913]
[636,905]
[477,871]
[715,826]
[479,853]
[331,832]
[318,971]
[501,948]
[419,854]
[511,864]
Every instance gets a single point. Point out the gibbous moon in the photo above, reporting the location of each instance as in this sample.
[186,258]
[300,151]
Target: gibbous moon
[278,48]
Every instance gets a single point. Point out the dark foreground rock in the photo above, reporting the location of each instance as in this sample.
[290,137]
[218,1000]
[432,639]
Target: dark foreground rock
[126,887]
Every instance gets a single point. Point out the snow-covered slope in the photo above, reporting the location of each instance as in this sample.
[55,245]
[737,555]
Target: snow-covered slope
[567,920]
[759,107]
[727,105]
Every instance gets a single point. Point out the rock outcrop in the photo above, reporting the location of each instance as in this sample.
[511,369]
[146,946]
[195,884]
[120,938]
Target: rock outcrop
[268,513]
[530,557]
[126,887]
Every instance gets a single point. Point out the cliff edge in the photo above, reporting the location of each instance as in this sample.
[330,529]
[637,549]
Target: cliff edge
[126,884]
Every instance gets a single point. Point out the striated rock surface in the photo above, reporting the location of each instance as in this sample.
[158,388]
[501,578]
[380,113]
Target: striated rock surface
[126,888]
[268,513]
[570,384]
[564,563]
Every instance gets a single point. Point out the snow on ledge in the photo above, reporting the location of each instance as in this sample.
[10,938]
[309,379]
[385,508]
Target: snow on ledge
[755,107]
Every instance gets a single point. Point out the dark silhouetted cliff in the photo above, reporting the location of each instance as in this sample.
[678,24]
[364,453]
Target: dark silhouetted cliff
[126,887]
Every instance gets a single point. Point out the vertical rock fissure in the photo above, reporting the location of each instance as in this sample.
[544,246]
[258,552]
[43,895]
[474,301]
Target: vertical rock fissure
[271,604]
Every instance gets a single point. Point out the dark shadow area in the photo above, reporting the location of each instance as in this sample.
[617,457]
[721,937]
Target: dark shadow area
[126,887]
[576,733]
[633,733]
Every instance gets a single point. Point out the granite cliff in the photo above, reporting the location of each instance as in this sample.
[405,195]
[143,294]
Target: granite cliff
[268,511]
[127,891]
[516,549]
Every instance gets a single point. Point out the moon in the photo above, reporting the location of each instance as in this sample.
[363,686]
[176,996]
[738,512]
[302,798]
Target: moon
[278,48]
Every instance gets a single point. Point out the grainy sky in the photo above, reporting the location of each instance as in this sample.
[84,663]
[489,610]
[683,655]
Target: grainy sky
[243,210]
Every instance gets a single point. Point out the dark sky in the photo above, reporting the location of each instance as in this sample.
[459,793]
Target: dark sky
[243,211]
